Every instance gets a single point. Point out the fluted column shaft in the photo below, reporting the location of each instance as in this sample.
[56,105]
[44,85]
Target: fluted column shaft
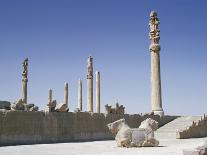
[97,92]
[66,94]
[80,95]
[90,85]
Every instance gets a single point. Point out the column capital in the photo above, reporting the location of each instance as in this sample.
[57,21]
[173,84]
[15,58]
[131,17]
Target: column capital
[154,48]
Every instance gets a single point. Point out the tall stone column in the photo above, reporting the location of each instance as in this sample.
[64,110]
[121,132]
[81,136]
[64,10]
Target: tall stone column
[154,36]
[66,94]
[90,84]
[49,105]
[97,92]
[80,106]
[50,96]
[24,80]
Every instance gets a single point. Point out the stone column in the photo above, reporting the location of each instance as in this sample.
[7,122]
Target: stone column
[80,95]
[50,96]
[97,92]
[49,105]
[24,80]
[66,94]
[90,84]
[154,36]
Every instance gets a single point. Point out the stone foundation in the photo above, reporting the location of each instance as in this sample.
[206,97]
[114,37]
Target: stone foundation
[17,128]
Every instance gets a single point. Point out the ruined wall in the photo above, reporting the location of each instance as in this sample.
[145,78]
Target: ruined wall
[38,127]
[196,130]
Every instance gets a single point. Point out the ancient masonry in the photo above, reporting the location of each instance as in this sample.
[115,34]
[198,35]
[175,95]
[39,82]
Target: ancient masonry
[90,84]
[80,98]
[66,94]
[24,80]
[53,106]
[97,91]
[154,36]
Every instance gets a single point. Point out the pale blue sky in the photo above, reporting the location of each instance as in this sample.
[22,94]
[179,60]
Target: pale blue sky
[58,35]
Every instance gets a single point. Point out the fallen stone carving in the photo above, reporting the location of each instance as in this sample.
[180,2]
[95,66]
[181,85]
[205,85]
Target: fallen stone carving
[62,108]
[134,137]
[21,106]
[51,106]
[117,110]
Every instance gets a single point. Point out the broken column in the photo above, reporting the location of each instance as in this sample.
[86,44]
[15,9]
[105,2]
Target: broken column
[51,103]
[154,36]
[90,84]
[66,94]
[21,104]
[63,107]
[97,92]
[80,94]
[24,80]
[50,96]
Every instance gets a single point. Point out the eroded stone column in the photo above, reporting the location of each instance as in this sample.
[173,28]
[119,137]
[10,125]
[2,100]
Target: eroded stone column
[66,94]
[97,92]
[154,36]
[50,96]
[90,84]
[24,80]
[80,94]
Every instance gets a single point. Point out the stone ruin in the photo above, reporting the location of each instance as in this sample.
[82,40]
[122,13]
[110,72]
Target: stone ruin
[21,104]
[52,104]
[117,110]
[134,137]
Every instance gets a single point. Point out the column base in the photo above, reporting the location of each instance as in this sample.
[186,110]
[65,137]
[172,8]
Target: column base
[159,112]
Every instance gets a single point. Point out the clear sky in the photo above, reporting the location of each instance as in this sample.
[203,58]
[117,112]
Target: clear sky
[58,35]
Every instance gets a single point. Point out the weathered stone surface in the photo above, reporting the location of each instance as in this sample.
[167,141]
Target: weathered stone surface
[62,108]
[136,137]
[97,91]
[197,129]
[201,149]
[80,97]
[154,36]
[191,152]
[20,127]
[90,84]
[66,94]
[24,80]
[21,106]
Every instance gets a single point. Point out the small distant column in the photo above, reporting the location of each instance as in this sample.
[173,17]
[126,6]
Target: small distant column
[90,84]
[97,92]
[154,36]
[66,94]
[49,105]
[80,95]
[50,96]
[24,80]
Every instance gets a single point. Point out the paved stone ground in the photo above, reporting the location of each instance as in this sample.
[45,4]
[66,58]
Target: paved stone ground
[167,147]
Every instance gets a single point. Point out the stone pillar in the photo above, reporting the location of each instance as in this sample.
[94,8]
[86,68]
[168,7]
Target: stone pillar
[24,80]
[90,84]
[97,92]
[49,105]
[154,36]
[50,96]
[80,95]
[66,94]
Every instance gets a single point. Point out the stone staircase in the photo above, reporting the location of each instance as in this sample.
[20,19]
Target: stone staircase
[168,131]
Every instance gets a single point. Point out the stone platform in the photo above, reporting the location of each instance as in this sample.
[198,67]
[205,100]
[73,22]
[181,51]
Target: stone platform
[167,147]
